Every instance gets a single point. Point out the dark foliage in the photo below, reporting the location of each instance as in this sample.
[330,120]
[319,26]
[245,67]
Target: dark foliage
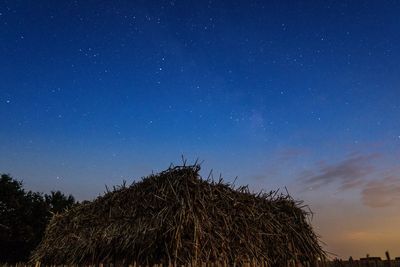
[57,202]
[23,218]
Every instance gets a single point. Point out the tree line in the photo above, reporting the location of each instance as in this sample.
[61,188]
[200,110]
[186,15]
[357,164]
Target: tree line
[24,216]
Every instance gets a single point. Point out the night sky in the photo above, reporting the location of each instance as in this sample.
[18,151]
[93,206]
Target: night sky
[302,94]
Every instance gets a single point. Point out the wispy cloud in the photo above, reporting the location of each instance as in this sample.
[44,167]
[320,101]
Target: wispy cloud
[381,193]
[348,173]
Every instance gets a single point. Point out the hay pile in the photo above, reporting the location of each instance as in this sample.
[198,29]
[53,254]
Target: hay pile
[177,217]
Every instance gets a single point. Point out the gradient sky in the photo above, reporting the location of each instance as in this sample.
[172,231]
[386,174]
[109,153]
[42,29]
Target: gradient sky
[302,94]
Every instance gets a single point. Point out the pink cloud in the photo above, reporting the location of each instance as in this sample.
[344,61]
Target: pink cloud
[382,193]
[349,173]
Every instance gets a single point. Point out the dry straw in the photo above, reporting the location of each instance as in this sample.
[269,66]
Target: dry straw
[176,217]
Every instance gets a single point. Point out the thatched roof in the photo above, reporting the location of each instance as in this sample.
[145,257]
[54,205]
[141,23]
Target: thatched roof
[176,216]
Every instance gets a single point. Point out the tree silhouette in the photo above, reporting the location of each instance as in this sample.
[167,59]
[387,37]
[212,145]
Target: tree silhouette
[57,202]
[24,216]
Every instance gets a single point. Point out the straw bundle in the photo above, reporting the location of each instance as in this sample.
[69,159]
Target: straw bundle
[176,217]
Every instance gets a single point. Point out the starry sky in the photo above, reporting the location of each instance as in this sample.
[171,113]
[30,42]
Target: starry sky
[296,94]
